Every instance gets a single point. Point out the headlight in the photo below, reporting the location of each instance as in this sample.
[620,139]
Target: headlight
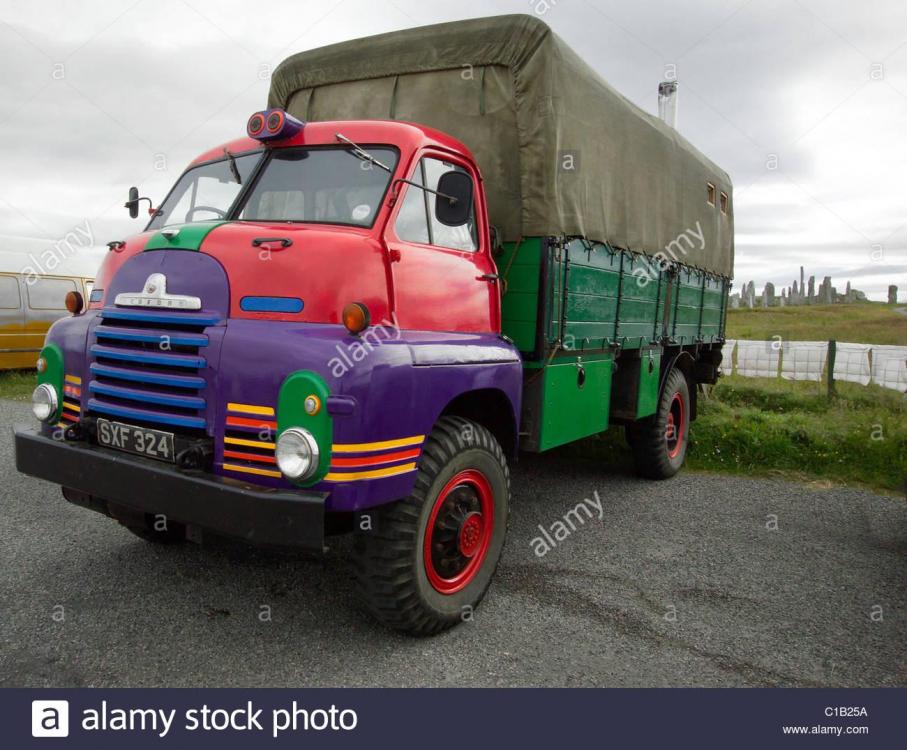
[297,453]
[44,402]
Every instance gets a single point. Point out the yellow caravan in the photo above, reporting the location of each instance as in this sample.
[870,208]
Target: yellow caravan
[28,306]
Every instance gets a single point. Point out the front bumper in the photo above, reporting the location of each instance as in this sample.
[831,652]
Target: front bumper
[265,517]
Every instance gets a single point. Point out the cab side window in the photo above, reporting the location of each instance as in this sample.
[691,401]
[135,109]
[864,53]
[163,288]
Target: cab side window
[412,221]
[417,222]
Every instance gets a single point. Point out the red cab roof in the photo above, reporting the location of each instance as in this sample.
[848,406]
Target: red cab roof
[406,136]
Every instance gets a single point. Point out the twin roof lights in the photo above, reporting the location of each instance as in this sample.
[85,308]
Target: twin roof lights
[272,125]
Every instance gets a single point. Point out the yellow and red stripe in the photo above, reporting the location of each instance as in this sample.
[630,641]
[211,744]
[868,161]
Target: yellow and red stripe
[72,390]
[373,464]
[242,419]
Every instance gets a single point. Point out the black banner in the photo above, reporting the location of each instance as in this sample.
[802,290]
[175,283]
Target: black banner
[453,718]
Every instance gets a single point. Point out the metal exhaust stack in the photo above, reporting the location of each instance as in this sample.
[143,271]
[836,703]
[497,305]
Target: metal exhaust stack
[667,102]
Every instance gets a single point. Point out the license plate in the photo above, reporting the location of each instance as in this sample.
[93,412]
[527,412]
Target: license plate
[134,439]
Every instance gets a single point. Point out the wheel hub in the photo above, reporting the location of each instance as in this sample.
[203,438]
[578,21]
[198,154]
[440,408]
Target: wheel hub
[675,426]
[471,534]
[459,531]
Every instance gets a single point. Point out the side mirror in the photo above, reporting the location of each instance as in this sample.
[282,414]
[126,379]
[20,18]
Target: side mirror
[497,245]
[133,203]
[458,186]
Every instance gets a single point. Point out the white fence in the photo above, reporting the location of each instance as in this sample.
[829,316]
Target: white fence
[807,360]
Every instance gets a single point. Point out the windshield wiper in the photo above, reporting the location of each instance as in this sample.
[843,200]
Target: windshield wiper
[233,168]
[361,153]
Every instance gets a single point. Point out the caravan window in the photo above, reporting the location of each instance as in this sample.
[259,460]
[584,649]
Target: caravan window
[49,294]
[9,293]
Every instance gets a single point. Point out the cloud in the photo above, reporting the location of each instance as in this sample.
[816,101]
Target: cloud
[803,102]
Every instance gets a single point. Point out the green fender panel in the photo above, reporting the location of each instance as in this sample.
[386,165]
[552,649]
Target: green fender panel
[53,374]
[291,413]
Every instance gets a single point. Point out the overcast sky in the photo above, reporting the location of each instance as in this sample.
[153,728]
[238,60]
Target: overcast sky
[803,102]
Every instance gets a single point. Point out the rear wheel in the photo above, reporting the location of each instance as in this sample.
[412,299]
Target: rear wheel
[425,562]
[660,442]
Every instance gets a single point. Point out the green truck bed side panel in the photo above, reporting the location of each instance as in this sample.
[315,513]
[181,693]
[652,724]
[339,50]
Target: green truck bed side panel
[570,411]
[520,300]
[592,279]
[687,305]
[595,297]
[713,308]
[641,304]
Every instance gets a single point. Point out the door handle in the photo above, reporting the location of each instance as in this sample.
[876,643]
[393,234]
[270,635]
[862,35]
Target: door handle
[491,278]
[282,241]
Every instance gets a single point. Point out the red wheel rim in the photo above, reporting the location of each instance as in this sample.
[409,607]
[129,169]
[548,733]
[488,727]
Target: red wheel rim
[459,531]
[676,424]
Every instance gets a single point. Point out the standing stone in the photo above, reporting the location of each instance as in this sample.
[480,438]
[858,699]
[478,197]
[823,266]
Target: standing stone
[751,295]
[735,301]
[768,294]
[783,300]
[827,292]
[811,297]
[802,289]
[892,295]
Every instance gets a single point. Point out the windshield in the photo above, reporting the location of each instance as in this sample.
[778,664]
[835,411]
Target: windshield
[205,192]
[320,185]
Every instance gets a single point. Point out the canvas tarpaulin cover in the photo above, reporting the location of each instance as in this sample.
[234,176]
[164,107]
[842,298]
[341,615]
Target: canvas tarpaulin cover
[561,152]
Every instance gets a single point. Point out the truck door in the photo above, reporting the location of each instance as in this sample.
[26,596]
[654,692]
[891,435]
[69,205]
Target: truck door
[443,277]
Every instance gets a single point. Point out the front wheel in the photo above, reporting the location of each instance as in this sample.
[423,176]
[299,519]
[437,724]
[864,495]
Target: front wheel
[424,563]
[660,442]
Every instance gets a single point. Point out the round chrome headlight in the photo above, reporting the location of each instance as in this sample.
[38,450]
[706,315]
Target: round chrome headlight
[44,402]
[297,453]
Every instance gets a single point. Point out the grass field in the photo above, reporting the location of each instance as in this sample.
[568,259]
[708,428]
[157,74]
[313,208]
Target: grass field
[759,427]
[862,323]
[17,385]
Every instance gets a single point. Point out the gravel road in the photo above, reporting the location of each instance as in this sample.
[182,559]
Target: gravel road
[702,580]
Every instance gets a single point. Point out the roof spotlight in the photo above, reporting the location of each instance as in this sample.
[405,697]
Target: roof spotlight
[272,125]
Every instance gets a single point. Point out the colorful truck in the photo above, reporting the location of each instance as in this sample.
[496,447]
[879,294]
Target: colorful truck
[351,321]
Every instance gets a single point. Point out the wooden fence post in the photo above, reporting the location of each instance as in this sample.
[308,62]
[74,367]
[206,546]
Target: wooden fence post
[832,350]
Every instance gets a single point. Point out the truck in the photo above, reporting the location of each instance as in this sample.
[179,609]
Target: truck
[434,250]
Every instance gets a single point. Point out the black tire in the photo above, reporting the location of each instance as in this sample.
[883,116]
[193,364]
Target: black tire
[148,527]
[659,451]
[461,463]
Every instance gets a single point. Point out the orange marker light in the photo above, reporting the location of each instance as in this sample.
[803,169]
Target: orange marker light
[312,405]
[74,302]
[356,317]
